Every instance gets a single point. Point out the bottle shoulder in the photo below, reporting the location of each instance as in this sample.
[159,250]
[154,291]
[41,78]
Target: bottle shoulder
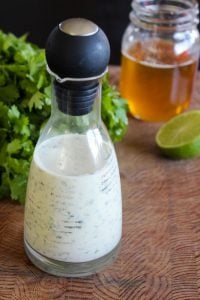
[73,154]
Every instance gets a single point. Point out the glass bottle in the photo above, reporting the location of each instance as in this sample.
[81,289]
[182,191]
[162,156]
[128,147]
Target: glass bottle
[160,51]
[73,213]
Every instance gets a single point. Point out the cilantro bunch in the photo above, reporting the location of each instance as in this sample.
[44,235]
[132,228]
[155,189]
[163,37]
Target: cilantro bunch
[25,106]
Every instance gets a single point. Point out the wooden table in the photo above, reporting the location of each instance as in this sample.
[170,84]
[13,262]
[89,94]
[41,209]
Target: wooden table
[160,253]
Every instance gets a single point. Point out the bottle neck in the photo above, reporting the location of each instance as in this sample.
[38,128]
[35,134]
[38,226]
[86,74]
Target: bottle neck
[77,105]
[165,15]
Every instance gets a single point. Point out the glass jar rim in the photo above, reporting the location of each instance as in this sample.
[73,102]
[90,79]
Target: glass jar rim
[165,14]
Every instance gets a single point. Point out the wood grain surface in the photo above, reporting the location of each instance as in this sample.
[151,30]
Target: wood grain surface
[160,252]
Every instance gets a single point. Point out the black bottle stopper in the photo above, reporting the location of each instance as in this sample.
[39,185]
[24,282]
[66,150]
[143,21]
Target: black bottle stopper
[77,54]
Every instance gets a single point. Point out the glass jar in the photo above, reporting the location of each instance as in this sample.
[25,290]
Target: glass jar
[73,212]
[160,51]
[73,204]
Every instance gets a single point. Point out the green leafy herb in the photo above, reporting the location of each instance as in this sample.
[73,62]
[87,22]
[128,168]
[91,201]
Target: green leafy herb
[25,106]
[114,111]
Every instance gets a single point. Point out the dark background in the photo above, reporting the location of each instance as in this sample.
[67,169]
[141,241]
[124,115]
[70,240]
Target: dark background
[38,17]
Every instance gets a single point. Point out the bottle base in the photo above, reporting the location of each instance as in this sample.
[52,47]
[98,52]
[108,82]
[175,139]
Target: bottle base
[65,269]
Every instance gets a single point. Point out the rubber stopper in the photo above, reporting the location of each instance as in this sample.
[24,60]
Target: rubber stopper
[77,48]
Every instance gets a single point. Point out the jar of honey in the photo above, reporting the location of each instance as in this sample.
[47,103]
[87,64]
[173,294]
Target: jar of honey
[160,52]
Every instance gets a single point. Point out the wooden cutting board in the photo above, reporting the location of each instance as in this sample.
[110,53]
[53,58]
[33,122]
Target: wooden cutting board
[160,252]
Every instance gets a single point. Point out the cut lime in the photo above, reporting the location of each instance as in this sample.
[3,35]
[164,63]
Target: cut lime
[180,137]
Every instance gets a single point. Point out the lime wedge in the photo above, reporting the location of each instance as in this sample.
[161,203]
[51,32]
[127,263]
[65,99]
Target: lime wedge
[180,137]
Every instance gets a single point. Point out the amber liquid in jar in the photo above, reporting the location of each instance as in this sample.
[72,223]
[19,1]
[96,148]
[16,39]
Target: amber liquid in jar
[157,83]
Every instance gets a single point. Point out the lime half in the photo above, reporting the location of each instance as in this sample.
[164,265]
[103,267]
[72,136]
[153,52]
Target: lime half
[180,137]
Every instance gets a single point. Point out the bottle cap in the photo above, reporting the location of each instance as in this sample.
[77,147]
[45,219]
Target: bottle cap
[77,49]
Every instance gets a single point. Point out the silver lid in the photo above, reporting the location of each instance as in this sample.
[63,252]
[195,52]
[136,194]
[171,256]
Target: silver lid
[78,27]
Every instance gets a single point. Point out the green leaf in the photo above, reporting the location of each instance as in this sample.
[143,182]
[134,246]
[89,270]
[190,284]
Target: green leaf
[41,80]
[9,93]
[3,79]
[14,146]
[3,155]
[36,101]
[36,63]
[114,111]
[3,135]
[27,148]
[21,126]
[47,91]
[28,86]
[25,54]
[17,166]
[13,113]
[18,188]
[4,123]
[17,69]
[4,184]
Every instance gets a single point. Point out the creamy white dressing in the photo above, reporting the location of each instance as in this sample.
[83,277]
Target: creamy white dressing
[73,205]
